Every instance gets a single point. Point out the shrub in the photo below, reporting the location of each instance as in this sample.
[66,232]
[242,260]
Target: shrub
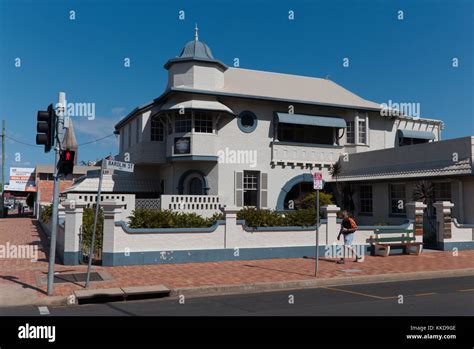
[267,218]
[260,218]
[46,213]
[309,200]
[146,218]
[87,228]
[301,218]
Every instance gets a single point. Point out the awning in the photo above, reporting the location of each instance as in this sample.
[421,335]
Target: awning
[299,119]
[196,104]
[416,134]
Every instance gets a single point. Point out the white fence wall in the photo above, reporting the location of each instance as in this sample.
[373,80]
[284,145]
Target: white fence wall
[204,205]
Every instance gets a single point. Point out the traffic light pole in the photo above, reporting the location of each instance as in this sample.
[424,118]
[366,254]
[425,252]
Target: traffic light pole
[54,215]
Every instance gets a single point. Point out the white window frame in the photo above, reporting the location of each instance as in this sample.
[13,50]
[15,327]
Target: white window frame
[353,132]
[356,131]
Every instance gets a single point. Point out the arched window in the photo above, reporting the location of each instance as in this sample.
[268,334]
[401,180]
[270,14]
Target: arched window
[195,186]
[297,194]
[157,129]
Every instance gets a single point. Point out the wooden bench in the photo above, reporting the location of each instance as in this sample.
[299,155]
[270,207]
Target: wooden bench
[387,238]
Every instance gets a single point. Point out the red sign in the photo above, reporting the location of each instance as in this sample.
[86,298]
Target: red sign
[318,180]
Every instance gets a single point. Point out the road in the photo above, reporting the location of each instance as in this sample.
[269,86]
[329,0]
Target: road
[434,297]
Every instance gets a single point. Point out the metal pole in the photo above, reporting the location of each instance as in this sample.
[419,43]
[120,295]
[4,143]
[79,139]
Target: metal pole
[2,199]
[316,267]
[97,206]
[54,215]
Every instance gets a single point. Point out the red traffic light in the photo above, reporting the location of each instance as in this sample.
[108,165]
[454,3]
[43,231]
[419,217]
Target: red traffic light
[66,162]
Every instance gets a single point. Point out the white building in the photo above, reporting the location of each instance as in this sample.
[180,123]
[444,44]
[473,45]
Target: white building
[252,138]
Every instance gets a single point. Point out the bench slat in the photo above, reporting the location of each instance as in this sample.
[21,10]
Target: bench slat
[405,238]
[377,231]
[400,244]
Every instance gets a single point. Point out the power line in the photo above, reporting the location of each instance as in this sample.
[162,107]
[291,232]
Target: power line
[96,140]
[36,146]
[21,142]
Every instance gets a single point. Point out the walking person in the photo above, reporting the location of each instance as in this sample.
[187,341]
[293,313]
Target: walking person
[348,228]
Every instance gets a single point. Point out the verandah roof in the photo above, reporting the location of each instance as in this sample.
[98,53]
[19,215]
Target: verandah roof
[311,120]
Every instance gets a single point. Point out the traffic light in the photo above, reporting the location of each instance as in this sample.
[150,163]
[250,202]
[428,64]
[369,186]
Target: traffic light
[66,162]
[46,128]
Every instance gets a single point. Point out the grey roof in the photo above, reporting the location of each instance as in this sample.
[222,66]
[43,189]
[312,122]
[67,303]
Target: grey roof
[418,170]
[196,104]
[195,50]
[434,159]
[313,120]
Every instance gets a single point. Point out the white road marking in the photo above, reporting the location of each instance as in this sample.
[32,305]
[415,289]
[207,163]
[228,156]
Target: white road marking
[43,310]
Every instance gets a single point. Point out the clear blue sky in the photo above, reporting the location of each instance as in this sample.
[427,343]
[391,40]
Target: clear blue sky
[404,61]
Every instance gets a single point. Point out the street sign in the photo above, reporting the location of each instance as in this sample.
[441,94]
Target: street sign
[318,180]
[119,165]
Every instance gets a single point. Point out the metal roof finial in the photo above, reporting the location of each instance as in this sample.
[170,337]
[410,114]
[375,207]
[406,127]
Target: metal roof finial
[196,29]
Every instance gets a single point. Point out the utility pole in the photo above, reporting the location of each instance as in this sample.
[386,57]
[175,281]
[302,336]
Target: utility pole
[54,217]
[2,198]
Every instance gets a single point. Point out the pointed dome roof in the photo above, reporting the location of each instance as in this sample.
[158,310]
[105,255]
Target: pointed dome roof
[195,50]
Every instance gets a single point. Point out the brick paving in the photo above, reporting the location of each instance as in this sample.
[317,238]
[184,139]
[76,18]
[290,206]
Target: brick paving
[25,273]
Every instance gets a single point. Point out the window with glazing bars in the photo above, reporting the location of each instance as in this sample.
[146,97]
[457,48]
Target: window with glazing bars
[397,198]
[157,130]
[366,201]
[362,131]
[182,122]
[350,132]
[202,122]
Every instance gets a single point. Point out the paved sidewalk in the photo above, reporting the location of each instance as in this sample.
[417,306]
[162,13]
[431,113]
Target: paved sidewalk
[20,279]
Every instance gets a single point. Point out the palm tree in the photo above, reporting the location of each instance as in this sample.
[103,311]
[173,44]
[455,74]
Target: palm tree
[424,192]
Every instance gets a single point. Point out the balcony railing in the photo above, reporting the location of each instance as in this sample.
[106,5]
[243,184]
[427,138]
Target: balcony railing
[304,153]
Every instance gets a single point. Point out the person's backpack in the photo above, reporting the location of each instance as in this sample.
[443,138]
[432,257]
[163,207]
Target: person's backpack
[353,223]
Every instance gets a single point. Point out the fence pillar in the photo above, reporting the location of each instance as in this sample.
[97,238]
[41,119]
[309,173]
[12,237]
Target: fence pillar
[73,213]
[230,214]
[61,211]
[112,213]
[443,220]
[332,229]
[415,216]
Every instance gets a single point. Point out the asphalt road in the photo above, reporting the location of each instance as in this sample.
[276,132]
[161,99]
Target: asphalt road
[434,297]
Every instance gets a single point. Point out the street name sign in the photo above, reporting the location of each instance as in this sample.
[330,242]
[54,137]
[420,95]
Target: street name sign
[119,165]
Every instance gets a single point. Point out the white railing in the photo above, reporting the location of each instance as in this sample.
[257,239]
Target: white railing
[204,205]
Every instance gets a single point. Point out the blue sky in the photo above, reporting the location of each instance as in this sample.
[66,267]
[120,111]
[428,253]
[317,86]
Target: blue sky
[402,61]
